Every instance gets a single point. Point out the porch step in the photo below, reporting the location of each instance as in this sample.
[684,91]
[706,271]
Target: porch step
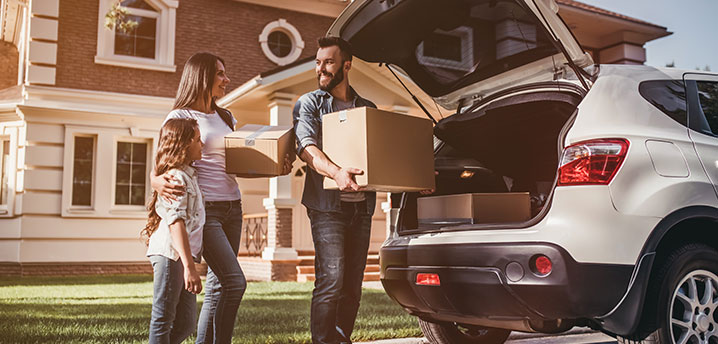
[305,268]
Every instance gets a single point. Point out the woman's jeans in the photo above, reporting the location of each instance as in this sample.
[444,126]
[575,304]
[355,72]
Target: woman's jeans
[225,282]
[341,241]
[174,308]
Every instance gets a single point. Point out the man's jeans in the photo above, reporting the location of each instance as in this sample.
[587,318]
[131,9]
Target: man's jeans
[174,309]
[341,242]
[225,282]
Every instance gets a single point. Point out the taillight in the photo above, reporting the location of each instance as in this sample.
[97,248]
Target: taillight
[592,162]
[541,265]
[427,279]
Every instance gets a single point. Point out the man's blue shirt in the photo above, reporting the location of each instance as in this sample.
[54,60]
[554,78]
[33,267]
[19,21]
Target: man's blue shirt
[307,114]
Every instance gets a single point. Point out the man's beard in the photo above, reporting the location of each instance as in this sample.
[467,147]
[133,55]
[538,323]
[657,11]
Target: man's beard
[333,81]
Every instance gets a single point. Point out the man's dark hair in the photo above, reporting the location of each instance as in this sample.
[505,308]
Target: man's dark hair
[344,47]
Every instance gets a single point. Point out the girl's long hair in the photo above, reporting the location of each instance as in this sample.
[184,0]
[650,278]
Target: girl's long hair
[197,81]
[172,152]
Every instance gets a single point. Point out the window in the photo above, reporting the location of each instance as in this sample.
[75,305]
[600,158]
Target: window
[448,49]
[4,170]
[708,97]
[281,42]
[131,173]
[150,45]
[106,171]
[140,41]
[669,96]
[82,170]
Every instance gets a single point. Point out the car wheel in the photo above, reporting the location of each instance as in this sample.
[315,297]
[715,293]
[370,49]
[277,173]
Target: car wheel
[684,299]
[453,333]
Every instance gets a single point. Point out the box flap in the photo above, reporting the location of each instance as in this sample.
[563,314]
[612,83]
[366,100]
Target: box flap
[259,132]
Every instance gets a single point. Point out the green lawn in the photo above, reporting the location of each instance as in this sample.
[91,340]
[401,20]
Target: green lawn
[116,309]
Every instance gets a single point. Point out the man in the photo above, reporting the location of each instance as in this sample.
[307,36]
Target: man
[340,220]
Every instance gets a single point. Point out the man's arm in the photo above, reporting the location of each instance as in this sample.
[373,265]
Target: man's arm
[344,177]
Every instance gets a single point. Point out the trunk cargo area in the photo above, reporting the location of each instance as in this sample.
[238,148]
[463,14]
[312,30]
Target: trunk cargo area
[506,154]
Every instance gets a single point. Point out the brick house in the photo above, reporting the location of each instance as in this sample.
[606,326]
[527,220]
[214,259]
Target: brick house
[81,106]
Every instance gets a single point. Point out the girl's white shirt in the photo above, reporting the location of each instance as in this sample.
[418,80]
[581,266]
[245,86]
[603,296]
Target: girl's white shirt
[215,183]
[188,207]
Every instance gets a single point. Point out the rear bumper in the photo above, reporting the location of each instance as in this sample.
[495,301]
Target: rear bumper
[475,288]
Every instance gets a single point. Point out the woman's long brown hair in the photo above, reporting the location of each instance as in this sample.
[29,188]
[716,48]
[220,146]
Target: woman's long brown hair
[197,81]
[172,152]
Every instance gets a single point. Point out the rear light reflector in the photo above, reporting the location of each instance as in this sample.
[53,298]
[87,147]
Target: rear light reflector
[427,279]
[593,162]
[541,265]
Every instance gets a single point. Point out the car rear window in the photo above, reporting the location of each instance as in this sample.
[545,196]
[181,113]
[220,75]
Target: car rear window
[669,96]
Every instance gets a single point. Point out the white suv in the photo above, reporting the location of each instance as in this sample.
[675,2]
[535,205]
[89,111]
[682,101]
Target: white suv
[621,164]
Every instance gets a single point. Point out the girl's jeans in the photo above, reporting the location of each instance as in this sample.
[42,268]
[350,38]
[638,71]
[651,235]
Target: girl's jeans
[174,308]
[225,283]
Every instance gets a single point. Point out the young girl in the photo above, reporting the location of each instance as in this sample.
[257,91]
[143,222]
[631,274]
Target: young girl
[174,229]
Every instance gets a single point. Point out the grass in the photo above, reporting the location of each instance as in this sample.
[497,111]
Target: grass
[116,309]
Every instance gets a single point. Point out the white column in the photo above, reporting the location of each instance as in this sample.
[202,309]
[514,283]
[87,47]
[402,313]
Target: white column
[280,113]
[280,203]
[386,208]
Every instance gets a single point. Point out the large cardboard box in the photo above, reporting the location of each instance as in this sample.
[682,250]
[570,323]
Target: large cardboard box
[258,150]
[475,208]
[395,151]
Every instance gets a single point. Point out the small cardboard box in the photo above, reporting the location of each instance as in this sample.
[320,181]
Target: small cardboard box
[258,150]
[476,208]
[395,151]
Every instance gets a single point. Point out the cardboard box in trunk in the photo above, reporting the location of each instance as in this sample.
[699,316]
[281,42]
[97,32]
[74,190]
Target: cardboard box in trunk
[475,208]
[258,150]
[395,151]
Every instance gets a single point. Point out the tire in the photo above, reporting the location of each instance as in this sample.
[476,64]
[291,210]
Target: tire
[452,333]
[682,299]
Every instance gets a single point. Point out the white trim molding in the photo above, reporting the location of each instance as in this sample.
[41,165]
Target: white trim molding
[282,25]
[166,13]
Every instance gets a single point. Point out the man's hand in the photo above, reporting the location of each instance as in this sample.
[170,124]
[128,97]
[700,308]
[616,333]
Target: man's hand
[166,186]
[345,179]
[429,191]
[192,282]
[287,165]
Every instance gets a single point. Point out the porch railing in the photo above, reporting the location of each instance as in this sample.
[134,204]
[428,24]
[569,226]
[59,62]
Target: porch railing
[254,235]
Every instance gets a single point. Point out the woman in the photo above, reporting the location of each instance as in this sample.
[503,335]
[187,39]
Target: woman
[203,81]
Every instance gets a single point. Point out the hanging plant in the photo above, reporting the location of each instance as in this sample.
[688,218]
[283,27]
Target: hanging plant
[116,18]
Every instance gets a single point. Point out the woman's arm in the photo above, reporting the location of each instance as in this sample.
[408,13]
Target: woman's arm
[180,242]
[166,186]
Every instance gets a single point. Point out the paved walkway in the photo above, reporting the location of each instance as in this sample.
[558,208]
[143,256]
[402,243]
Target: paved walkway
[577,335]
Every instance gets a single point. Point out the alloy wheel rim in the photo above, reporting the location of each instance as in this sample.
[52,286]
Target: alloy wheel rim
[692,314]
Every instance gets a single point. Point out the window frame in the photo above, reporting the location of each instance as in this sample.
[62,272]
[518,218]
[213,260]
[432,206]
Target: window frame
[7,209]
[294,36]
[148,163]
[164,41]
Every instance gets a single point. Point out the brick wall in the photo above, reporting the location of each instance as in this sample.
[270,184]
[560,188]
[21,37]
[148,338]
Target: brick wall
[8,65]
[74,269]
[229,29]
